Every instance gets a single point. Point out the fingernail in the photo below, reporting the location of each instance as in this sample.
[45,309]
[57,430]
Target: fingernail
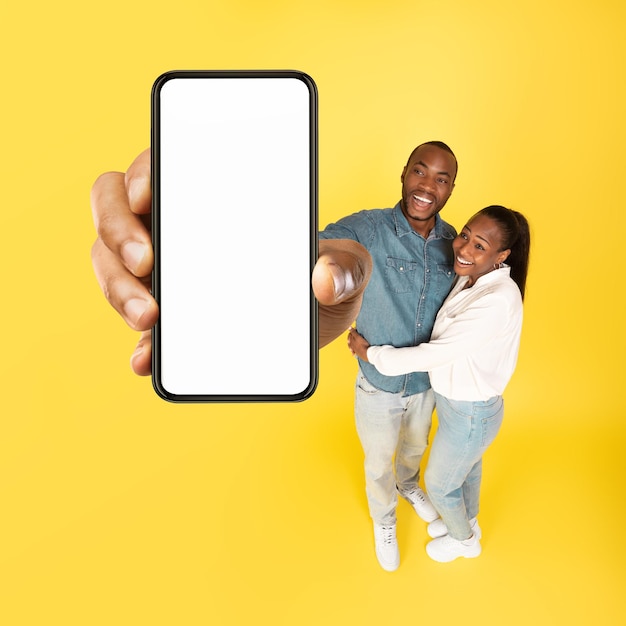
[136,189]
[133,254]
[134,309]
[339,278]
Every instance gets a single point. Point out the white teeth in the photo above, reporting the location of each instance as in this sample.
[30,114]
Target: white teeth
[462,262]
[420,199]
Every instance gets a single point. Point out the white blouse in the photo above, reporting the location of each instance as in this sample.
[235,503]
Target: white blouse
[474,345]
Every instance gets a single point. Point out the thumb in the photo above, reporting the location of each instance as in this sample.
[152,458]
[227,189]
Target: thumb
[339,278]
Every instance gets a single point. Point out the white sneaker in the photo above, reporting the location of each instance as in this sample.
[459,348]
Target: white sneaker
[386,547]
[439,529]
[421,503]
[445,549]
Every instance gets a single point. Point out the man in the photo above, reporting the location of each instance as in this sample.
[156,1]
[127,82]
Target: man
[411,249]
[412,258]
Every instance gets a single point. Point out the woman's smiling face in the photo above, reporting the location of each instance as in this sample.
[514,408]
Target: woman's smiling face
[477,248]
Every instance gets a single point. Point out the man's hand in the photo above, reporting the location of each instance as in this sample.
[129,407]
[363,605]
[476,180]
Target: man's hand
[339,278]
[123,259]
[122,254]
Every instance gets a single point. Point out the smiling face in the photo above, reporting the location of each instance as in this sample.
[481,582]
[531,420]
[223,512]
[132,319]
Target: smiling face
[427,182]
[477,248]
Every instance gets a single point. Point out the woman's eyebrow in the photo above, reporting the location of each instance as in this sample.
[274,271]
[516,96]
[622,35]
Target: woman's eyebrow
[466,227]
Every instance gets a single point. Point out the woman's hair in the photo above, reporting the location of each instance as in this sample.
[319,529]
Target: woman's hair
[515,237]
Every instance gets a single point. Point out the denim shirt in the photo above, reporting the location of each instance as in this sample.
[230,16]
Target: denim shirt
[411,278]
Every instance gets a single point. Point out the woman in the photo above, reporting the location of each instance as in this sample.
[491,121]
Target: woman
[470,358]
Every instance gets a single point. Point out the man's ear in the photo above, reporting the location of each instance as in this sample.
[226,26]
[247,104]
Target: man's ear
[402,175]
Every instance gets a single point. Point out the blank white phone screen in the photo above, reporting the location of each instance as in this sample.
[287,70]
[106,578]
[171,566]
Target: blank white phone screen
[235,233]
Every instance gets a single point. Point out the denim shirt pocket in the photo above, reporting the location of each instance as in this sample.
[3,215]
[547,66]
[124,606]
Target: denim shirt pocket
[444,277]
[401,274]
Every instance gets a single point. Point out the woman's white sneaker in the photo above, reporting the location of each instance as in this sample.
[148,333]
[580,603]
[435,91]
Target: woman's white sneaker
[445,549]
[439,529]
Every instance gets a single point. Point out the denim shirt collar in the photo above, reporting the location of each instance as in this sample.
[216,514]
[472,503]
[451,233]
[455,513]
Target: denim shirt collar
[440,231]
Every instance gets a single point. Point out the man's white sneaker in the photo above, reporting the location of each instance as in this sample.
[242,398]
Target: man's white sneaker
[386,547]
[445,549]
[439,529]
[421,503]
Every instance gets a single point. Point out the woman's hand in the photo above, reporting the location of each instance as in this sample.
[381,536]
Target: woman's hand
[358,344]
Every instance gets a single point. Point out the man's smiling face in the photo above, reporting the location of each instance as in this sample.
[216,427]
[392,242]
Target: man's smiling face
[427,182]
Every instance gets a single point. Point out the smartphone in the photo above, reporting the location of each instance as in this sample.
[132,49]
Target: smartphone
[234,227]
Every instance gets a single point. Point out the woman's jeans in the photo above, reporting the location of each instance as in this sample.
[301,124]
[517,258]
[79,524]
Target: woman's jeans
[393,430]
[454,470]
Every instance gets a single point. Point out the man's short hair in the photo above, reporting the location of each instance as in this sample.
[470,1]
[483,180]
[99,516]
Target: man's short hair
[442,146]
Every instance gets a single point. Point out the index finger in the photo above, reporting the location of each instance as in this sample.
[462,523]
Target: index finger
[121,231]
[137,181]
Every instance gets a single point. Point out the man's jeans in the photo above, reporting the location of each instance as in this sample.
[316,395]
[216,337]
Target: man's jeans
[394,434]
[454,470]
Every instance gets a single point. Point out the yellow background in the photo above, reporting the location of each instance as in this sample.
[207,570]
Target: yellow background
[118,508]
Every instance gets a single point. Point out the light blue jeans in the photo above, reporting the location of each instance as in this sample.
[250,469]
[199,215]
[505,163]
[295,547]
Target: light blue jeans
[394,434]
[454,470]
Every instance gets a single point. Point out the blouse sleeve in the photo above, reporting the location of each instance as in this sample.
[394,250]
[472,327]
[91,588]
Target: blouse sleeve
[470,330]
